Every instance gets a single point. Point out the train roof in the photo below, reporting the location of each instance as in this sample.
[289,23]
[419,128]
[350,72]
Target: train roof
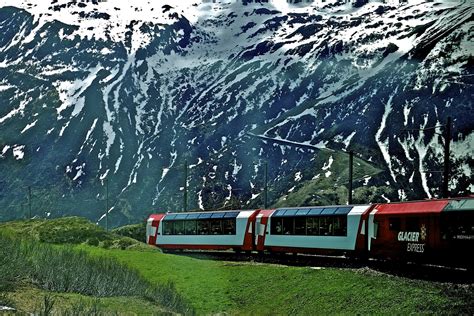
[316,210]
[419,207]
[203,215]
[460,205]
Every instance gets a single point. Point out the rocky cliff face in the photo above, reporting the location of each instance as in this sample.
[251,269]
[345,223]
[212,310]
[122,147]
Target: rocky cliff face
[106,91]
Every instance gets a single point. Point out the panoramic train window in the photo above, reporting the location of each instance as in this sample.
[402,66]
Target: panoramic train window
[203,227]
[178,228]
[190,227]
[300,225]
[287,226]
[340,226]
[312,225]
[458,227]
[228,226]
[216,227]
[276,226]
[335,225]
[167,228]
[219,223]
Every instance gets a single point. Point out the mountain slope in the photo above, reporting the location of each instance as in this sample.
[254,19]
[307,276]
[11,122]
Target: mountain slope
[107,90]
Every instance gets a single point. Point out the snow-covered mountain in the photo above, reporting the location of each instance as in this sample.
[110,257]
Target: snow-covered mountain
[96,90]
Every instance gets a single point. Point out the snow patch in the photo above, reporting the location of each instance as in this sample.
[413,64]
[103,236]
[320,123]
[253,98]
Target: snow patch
[28,126]
[18,152]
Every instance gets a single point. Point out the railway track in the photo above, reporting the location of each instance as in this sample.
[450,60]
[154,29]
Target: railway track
[428,272]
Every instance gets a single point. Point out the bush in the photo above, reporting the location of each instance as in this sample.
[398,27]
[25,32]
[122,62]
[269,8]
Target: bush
[136,231]
[67,270]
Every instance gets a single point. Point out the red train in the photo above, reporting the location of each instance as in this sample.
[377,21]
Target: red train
[433,231]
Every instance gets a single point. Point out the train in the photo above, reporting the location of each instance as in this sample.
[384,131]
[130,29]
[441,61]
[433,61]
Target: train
[437,231]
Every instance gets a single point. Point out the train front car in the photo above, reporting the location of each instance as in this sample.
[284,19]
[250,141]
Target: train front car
[457,233]
[432,231]
[331,230]
[152,224]
[205,230]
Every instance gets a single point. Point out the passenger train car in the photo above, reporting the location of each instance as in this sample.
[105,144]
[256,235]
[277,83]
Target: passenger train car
[434,231]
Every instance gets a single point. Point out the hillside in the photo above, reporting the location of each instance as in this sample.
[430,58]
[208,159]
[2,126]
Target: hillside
[37,277]
[67,230]
[110,98]
[38,273]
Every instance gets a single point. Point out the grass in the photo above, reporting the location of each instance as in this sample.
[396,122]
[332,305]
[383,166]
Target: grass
[67,270]
[67,230]
[261,289]
[135,231]
[143,280]
[329,186]
[28,299]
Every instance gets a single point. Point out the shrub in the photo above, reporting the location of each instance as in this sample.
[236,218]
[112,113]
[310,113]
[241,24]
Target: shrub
[136,231]
[64,269]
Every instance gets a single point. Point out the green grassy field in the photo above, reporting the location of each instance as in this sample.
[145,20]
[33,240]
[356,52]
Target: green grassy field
[38,257]
[30,299]
[215,287]
[265,289]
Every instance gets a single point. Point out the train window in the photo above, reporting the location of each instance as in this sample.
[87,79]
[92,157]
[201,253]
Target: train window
[290,212]
[167,228]
[217,215]
[288,225]
[231,214]
[394,223]
[169,217]
[312,224]
[181,216]
[205,215]
[300,225]
[340,226]
[178,227]
[193,216]
[302,212]
[328,210]
[279,213]
[458,227]
[343,210]
[276,226]
[325,226]
[203,227]
[190,227]
[228,226]
[315,211]
[412,224]
[216,227]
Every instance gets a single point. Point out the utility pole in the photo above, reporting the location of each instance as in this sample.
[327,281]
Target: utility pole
[29,200]
[446,171]
[265,188]
[351,162]
[107,204]
[185,187]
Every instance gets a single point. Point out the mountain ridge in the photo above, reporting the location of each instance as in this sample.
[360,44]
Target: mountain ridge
[198,82]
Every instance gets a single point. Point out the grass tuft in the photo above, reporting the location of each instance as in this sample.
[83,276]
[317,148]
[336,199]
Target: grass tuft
[64,269]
